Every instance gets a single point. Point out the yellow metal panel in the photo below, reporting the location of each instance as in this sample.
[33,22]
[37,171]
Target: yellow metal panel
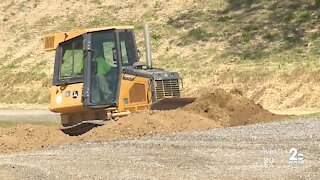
[51,41]
[59,37]
[128,82]
[66,99]
[109,28]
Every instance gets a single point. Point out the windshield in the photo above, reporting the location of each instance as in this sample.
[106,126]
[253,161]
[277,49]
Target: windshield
[105,72]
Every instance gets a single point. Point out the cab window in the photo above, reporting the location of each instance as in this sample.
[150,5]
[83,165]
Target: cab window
[108,48]
[71,65]
[128,50]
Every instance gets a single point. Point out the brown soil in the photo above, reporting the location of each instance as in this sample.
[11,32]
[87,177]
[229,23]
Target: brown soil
[152,122]
[231,109]
[212,110]
[26,136]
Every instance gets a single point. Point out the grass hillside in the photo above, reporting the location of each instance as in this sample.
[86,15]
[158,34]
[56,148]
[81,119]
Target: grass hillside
[267,50]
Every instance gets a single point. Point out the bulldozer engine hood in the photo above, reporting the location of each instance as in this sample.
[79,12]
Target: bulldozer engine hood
[155,74]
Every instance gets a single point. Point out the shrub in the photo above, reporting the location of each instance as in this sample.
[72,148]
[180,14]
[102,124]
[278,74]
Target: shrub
[198,34]
[304,16]
[317,3]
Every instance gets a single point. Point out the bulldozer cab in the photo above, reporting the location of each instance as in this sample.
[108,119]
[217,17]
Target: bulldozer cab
[96,59]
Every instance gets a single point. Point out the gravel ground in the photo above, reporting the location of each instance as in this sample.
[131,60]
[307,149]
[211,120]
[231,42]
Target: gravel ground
[247,152]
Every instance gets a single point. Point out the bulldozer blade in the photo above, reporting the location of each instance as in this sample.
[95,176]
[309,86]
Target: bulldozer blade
[81,128]
[171,103]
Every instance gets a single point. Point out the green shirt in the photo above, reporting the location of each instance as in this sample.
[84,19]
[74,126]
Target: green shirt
[103,67]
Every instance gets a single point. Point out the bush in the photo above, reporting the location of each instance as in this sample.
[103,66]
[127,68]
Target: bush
[269,37]
[317,3]
[245,37]
[156,37]
[315,35]
[198,34]
[5,19]
[224,18]
[304,16]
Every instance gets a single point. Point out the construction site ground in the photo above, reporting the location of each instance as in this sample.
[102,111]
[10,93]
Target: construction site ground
[222,134]
[224,153]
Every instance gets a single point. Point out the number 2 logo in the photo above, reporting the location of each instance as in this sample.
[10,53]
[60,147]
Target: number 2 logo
[295,156]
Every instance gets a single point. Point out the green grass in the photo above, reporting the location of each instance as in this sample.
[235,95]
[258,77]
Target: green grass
[305,116]
[304,16]
[8,124]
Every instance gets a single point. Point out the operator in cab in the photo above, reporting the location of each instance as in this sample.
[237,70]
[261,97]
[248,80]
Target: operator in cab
[101,86]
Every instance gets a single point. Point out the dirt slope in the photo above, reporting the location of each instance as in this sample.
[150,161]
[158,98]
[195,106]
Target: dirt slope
[212,110]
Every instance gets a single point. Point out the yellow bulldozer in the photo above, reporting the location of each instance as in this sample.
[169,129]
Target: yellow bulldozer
[97,77]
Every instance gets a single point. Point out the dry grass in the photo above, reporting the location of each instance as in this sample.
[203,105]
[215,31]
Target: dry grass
[267,49]
[9,124]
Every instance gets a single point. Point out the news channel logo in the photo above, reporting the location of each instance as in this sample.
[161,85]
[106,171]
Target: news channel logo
[294,156]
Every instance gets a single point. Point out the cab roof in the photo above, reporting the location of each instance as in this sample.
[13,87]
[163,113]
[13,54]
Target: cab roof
[52,41]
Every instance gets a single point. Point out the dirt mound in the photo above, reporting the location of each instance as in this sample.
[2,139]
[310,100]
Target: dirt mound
[230,109]
[152,122]
[26,136]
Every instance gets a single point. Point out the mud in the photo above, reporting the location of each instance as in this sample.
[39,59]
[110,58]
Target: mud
[211,110]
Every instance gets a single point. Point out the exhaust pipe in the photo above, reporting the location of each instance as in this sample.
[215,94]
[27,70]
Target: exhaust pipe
[148,46]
